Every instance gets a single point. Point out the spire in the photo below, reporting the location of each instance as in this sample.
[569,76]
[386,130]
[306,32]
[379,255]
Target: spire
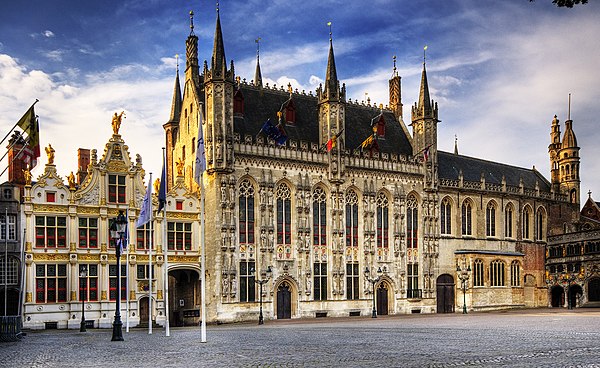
[331,80]
[424,106]
[218,62]
[191,48]
[257,73]
[176,103]
[455,145]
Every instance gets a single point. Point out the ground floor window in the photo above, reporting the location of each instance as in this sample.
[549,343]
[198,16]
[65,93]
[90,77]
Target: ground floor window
[320,281]
[247,287]
[352,281]
[112,282]
[50,283]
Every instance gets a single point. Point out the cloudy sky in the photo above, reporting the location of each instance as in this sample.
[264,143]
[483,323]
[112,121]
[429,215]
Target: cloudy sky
[500,70]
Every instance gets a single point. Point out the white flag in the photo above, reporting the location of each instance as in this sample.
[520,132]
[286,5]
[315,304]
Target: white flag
[146,209]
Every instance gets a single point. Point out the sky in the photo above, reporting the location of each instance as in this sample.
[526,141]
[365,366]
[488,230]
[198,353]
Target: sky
[499,70]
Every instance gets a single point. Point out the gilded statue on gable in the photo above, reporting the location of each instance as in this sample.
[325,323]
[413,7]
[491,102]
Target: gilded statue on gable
[27,176]
[50,154]
[179,164]
[71,179]
[116,122]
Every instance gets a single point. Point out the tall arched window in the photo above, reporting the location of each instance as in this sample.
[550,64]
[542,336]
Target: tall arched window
[246,217]
[284,214]
[319,217]
[351,219]
[466,218]
[446,217]
[478,273]
[490,219]
[515,274]
[497,273]
[412,222]
[382,221]
[526,222]
[508,221]
[539,225]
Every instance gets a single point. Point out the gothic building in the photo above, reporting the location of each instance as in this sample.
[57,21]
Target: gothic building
[352,212]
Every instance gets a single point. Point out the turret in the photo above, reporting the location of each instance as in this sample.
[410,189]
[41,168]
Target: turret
[395,93]
[569,164]
[553,151]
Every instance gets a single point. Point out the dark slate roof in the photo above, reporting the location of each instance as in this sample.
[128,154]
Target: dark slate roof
[489,252]
[450,165]
[261,104]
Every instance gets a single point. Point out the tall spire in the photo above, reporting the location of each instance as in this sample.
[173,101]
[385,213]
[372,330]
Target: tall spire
[331,81]
[176,102]
[455,144]
[257,73]
[218,61]
[424,106]
[191,47]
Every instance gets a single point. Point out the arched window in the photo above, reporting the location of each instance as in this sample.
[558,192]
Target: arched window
[526,222]
[246,217]
[497,273]
[290,113]
[319,217]
[515,274]
[193,145]
[412,222]
[382,221]
[478,273]
[490,219]
[466,218]
[508,221]
[284,214]
[446,217]
[351,219]
[539,225]
[238,103]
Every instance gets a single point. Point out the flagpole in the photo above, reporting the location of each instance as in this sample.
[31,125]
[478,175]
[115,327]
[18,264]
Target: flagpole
[17,123]
[202,260]
[150,267]
[165,247]
[6,261]
[126,280]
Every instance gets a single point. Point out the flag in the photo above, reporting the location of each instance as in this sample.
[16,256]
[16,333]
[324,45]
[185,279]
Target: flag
[200,154]
[146,209]
[125,239]
[332,142]
[276,133]
[29,124]
[162,190]
[367,142]
[426,154]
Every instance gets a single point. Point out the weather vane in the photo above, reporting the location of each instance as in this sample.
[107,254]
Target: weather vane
[424,50]
[329,25]
[191,22]
[177,61]
[394,58]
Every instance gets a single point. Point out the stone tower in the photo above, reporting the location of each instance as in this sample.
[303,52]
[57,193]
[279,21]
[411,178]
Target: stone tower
[569,164]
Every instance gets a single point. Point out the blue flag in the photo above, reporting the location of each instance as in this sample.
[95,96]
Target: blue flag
[200,154]
[146,209]
[276,133]
[124,241]
[162,190]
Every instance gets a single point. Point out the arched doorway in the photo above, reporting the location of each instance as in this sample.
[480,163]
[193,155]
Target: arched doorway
[284,301]
[575,293]
[184,297]
[382,299]
[558,296]
[144,311]
[594,290]
[445,294]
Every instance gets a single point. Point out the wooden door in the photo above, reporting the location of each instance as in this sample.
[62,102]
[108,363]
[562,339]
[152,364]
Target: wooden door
[284,301]
[445,294]
[382,300]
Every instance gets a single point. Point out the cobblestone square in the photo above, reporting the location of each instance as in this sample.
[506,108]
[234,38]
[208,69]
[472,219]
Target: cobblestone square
[529,338]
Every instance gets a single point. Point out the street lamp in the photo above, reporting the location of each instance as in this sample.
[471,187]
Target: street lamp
[117,232]
[569,278]
[373,280]
[265,276]
[463,276]
[83,276]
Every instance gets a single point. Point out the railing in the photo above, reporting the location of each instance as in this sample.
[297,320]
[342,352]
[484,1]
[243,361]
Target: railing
[10,328]
[414,293]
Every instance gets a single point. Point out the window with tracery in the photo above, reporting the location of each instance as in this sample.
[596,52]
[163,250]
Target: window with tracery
[246,216]
[539,225]
[351,219]
[446,217]
[515,274]
[382,221]
[466,218]
[508,221]
[490,219]
[478,273]
[284,214]
[497,273]
[412,222]
[526,223]
[319,217]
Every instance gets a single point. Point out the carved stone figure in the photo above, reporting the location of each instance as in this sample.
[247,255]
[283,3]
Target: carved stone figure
[180,164]
[27,176]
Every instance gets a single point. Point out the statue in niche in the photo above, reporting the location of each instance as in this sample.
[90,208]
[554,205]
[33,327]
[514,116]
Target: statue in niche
[234,287]
[50,154]
[71,180]
[180,164]
[116,122]
[225,285]
[308,283]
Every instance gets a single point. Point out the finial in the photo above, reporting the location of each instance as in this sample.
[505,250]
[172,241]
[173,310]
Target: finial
[217,7]
[455,144]
[191,22]
[590,194]
[395,72]
[366,94]
[177,62]
[329,25]
[257,46]
[424,56]
[290,89]
[569,115]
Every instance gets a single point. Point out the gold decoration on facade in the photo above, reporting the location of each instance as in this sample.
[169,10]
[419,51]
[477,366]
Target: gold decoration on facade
[88,210]
[72,247]
[116,122]
[180,164]
[177,258]
[131,294]
[50,154]
[103,248]
[103,295]
[73,295]
[28,297]
[28,247]
[117,166]
[181,215]
[37,208]
[156,185]
[27,176]
[159,294]
[50,257]
[71,180]
[89,257]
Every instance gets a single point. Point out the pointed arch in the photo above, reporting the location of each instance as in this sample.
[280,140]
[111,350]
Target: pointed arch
[540,223]
[351,206]
[490,218]
[283,199]
[509,220]
[446,215]
[526,217]
[246,208]
[319,215]
[382,219]
[467,217]
[412,221]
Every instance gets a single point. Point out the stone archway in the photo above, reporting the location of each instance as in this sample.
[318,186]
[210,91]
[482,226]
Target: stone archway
[382,299]
[184,297]
[557,296]
[284,301]
[575,292]
[445,294]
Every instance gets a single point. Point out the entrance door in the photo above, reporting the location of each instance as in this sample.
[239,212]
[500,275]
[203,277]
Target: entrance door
[284,301]
[445,294]
[594,290]
[558,296]
[144,311]
[382,300]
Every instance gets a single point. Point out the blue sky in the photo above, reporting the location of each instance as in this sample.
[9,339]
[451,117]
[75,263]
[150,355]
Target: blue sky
[499,70]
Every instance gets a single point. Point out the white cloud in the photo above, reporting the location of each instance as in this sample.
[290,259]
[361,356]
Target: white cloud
[48,33]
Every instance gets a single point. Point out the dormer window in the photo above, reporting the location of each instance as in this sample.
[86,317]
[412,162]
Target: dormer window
[116,189]
[238,103]
[290,113]
[50,197]
[379,127]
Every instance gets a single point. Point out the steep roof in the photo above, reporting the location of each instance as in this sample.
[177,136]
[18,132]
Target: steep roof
[451,164]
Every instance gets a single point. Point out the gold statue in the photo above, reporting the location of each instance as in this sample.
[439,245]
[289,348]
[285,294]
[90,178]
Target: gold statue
[50,153]
[27,176]
[180,165]
[71,180]
[116,122]
[156,185]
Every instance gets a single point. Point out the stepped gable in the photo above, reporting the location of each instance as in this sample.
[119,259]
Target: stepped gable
[261,104]
[451,164]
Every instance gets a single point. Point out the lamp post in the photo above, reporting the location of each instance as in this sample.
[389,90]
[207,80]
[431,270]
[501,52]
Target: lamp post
[463,276]
[83,276]
[117,232]
[373,280]
[569,278]
[265,276]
